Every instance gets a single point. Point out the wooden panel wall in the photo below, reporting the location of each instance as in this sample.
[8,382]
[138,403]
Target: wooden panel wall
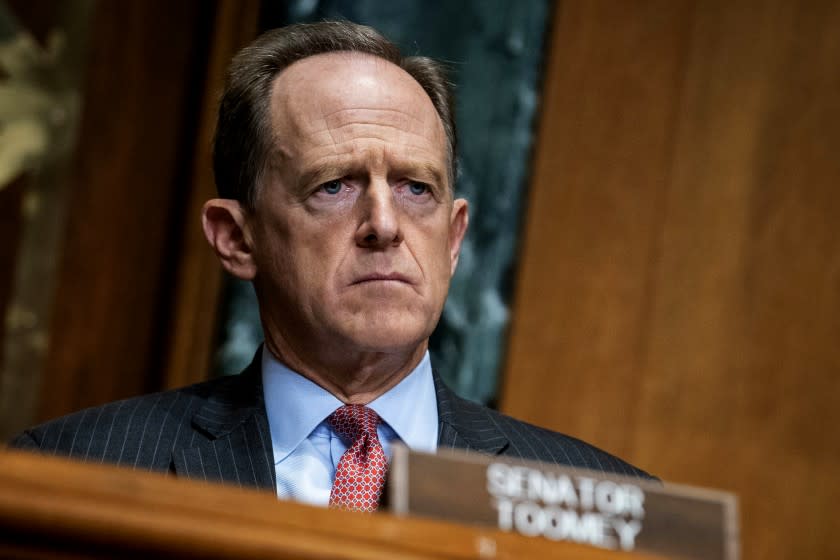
[198,285]
[137,292]
[10,225]
[678,299]
[129,181]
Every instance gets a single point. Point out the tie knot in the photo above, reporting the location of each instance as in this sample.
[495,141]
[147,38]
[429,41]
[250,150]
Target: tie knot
[352,421]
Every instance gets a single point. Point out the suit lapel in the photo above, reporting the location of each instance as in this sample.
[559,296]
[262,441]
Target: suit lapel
[236,443]
[464,424]
[233,443]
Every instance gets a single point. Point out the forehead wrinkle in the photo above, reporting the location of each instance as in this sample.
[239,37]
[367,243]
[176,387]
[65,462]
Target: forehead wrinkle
[379,150]
[336,115]
[431,130]
[343,138]
[362,132]
[320,132]
[365,161]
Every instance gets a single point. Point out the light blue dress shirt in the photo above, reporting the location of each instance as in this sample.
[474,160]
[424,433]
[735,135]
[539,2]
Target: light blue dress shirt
[307,450]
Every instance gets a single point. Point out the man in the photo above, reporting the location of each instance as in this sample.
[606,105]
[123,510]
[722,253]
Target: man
[334,159]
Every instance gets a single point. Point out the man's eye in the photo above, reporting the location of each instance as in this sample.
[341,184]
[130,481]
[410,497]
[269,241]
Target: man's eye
[418,188]
[332,187]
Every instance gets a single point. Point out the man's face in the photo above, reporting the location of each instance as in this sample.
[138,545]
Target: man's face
[355,233]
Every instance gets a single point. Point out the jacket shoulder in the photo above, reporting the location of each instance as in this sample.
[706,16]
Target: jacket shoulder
[531,442]
[138,431]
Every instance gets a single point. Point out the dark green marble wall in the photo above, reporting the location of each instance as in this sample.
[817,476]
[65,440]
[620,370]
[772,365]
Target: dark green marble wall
[494,48]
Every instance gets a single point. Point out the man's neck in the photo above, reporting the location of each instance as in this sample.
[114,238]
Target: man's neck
[358,378]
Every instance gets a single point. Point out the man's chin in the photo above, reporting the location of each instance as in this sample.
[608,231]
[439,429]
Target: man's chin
[385,338]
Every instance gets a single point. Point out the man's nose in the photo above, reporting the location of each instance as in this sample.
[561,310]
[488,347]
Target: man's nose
[380,224]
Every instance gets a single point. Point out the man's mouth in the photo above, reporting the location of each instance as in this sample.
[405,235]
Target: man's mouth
[382,277]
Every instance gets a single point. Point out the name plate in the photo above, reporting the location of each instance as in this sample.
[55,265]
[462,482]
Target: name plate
[565,504]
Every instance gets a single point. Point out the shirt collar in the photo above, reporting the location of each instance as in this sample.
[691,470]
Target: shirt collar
[295,406]
[410,408]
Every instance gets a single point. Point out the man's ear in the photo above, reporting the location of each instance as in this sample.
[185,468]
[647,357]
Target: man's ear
[457,229]
[226,229]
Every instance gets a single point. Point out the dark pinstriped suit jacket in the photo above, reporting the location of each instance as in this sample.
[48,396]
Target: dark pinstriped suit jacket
[218,430]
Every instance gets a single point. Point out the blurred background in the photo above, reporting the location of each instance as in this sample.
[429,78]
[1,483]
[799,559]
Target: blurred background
[653,262]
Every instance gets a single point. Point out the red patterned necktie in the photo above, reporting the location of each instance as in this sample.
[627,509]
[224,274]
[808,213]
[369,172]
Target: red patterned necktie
[360,474]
